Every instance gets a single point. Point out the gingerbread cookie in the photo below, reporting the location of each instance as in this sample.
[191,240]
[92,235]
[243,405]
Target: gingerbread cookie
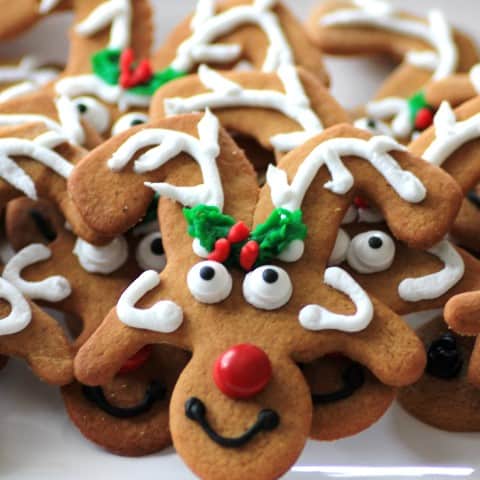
[428,49]
[239,34]
[218,197]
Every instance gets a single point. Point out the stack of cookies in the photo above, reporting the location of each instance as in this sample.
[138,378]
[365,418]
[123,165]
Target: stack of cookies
[234,251]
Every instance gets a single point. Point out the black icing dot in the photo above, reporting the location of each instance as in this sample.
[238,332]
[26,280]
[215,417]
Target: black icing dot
[270,275]
[371,123]
[82,108]
[157,247]
[375,242]
[136,121]
[444,359]
[207,273]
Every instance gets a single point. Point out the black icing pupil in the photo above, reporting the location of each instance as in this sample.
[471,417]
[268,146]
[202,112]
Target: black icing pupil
[270,275]
[375,242]
[371,123]
[207,273]
[157,247]
[82,108]
[444,360]
[136,121]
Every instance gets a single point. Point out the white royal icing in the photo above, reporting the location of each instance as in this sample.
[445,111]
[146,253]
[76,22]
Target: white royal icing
[105,259]
[293,252]
[206,27]
[450,135]
[329,153]
[316,317]
[40,150]
[364,258]
[20,315]
[46,6]
[437,32]
[52,289]
[209,290]
[374,126]
[436,284]
[475,77]
[164,316]
[167,144]
[264,295]
[114,13]
[225,93]
[395,107]
[340,249]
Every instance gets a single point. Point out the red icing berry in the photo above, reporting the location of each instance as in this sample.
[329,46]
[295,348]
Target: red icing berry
[137,360]
[360,202]
[238,233]
[424,118]
[242,371]
[221,251]
[249,255]
[129,76]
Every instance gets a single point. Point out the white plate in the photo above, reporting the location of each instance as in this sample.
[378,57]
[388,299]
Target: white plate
[37,441]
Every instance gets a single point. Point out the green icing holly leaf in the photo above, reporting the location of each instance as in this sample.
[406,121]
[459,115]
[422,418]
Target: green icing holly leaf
[281,228]
[208,224]
[415,103]
[106,65]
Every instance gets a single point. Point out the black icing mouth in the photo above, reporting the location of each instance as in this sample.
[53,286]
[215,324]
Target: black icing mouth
[353,378]
[444,358]
[155,392]
[43,225]
[267,420]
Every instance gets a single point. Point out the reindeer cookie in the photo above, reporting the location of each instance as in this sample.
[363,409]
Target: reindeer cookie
[280,289]
[129,415]
[240,34]
[428,49]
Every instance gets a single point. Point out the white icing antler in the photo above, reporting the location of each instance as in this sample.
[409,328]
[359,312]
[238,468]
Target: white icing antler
[40,150]
[52,289]
[329,153]
[442,61]
[117,14]
[316,317]
[395,107]
[436,284]
[46,6]
[167,144]
[294,103]
[20,315]
[164,316]
[206,26]
[450,135]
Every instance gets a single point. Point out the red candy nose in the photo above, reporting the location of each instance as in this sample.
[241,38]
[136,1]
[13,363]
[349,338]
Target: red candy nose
[242,371]
[137,360]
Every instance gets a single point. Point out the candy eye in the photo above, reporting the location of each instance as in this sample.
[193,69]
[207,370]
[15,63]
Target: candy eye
[209,282]
[371,252]
[150,254]
[376,127]
[128,121]
[267,287]
[96,114]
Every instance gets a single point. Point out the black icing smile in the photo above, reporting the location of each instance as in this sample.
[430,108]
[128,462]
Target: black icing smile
[155,392]
[43,225]
[353,378]
[267,420]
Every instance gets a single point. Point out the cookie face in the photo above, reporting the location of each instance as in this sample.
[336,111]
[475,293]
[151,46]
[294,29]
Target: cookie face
[444,388]
[428,49]
[277,285]
[249,34]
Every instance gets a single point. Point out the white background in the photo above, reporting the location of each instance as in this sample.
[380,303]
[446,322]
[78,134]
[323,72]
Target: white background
[37,441]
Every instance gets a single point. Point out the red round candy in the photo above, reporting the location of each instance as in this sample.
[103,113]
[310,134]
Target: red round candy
[423,119]
[360,202]
[137,360]
[242,371]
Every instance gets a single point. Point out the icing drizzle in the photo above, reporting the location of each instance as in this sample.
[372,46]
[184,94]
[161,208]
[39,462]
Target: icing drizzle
[329,153]
[294,103]
[20,315]
[46,6]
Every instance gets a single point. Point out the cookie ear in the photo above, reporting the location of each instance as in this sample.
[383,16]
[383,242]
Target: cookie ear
[100,25]
[290,105]
[33,335]
[455,89]
[115,183]
[462,313]
[322,178]
[262,33]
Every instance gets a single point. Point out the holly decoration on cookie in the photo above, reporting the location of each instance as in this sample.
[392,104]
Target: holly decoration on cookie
[421,113]
[227,241]
[117,67]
